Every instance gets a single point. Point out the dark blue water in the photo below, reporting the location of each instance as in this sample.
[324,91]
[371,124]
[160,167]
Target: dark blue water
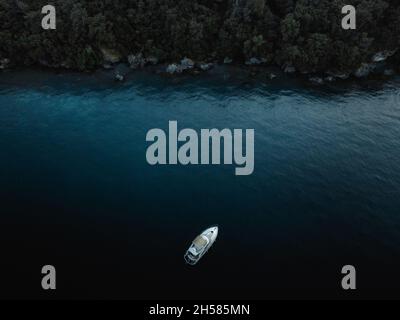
[76,190]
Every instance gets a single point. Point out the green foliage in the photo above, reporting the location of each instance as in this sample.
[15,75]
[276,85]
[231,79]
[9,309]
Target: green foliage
[290,28]
[303,33]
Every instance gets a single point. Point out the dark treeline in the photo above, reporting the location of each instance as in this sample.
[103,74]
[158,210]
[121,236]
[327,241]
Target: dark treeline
[304,33]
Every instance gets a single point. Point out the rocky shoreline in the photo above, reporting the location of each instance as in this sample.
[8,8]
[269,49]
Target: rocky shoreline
[379,65]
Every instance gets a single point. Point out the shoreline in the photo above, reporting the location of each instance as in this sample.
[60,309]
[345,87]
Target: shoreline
[121,72]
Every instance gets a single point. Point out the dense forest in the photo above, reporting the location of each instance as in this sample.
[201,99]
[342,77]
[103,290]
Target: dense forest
[305,35]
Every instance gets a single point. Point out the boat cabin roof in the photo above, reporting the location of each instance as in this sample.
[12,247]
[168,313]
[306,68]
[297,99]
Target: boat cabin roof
[200,242]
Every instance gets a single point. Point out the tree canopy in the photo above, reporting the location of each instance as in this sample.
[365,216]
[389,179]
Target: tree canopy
[304,33]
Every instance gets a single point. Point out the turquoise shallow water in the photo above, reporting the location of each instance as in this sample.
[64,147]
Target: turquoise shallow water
[78,193]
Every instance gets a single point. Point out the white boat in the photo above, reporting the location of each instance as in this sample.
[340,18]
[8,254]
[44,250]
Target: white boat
[200,245]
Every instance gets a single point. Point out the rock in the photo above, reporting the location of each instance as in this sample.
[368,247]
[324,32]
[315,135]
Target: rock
[152,60]
[136,61]
[110,55]
[289,69]
[47,64]
[253,62]
[119,77]
[65,65]
[382,56]
[4,63]
[306,72]
[365,70]
[187,64]
[338,75]
[379,57]
[329,79]
[316,80]
[205,66]
[173,68]
[228,60]
[107,66]
[389,72]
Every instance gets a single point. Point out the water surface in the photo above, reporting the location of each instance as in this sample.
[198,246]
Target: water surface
[77,192]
